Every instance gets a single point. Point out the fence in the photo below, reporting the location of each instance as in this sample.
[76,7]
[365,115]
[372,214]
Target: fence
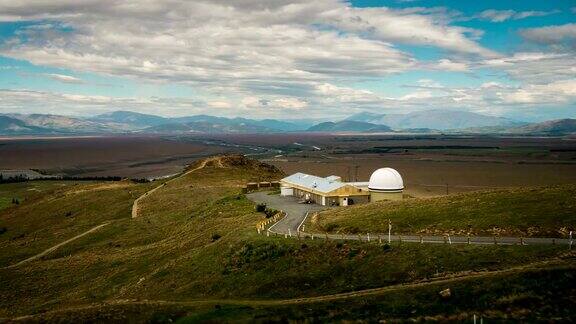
[389,238]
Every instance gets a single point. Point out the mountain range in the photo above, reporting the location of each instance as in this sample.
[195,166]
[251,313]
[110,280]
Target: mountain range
[430,121]
[437,119]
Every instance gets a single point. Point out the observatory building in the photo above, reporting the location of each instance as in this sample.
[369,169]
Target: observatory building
[384,184]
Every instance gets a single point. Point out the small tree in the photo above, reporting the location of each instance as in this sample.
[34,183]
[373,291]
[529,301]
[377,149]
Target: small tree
[15,201]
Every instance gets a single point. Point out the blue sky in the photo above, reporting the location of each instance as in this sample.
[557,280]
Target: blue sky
[325,59]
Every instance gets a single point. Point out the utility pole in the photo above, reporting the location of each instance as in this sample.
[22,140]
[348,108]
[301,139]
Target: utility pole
[389,231]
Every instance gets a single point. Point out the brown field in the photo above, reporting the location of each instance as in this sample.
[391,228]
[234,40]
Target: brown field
[430,178]
[102,156]
[431,165]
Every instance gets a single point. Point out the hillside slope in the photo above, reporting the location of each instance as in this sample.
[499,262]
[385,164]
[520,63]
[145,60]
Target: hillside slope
[13,126]
[527,212]
[194,243]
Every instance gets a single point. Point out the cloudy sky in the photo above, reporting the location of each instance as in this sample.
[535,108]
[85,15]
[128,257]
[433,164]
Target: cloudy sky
[288,58]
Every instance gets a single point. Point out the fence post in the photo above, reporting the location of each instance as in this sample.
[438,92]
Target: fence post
[495,242]
[449,240]
[368,237]
[421,239]
[468,239]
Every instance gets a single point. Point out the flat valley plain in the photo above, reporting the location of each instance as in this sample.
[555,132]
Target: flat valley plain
[430,164]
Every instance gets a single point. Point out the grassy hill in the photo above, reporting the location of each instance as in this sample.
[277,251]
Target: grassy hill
[193,254]
[528,212]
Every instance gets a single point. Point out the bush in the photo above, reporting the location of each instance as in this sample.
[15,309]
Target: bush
[3,230]
[216,237]
[270,212]
[261,208]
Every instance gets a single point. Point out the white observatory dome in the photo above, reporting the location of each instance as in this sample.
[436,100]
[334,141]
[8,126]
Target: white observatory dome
[386,179]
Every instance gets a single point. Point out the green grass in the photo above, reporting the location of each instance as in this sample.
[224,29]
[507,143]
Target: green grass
[65,211]
[544,212]
[537,294]
[168,253]
[5,202]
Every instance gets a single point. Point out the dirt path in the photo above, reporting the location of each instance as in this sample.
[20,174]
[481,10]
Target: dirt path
[443,281]
[55,247]
[135,207]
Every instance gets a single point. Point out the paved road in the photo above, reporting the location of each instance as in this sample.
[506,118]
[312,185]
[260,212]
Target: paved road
[297,212]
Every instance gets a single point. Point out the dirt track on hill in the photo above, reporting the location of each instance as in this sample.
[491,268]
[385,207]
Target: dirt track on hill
[135,207]
[55,247]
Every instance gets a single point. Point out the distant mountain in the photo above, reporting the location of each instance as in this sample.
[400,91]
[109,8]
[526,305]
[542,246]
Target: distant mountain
[551,127]
[64,124]
[421,122]
[439,119]
[349,126]
[207,127]
[272,124]
[366,117]
[134,119]
[13,126]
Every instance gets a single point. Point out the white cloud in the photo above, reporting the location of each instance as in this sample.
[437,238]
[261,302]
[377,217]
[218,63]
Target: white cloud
[535,67]
[272,58]
[551,34]
[64,78]
[232,44]
[503,15]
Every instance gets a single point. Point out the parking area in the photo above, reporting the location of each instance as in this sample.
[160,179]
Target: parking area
[295,211]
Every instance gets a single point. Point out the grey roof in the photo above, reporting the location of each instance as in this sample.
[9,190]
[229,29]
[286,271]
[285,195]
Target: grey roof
[314,183]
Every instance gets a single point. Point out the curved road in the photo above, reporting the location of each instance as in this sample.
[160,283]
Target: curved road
[296,213]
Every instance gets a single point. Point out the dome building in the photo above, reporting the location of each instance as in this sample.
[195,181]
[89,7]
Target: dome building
[385,184]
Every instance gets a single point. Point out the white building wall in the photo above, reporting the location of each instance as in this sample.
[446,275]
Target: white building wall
[286,191]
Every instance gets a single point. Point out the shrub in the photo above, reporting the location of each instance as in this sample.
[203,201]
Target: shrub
[261,208]
[216,237]
[3,230]
[270,212]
